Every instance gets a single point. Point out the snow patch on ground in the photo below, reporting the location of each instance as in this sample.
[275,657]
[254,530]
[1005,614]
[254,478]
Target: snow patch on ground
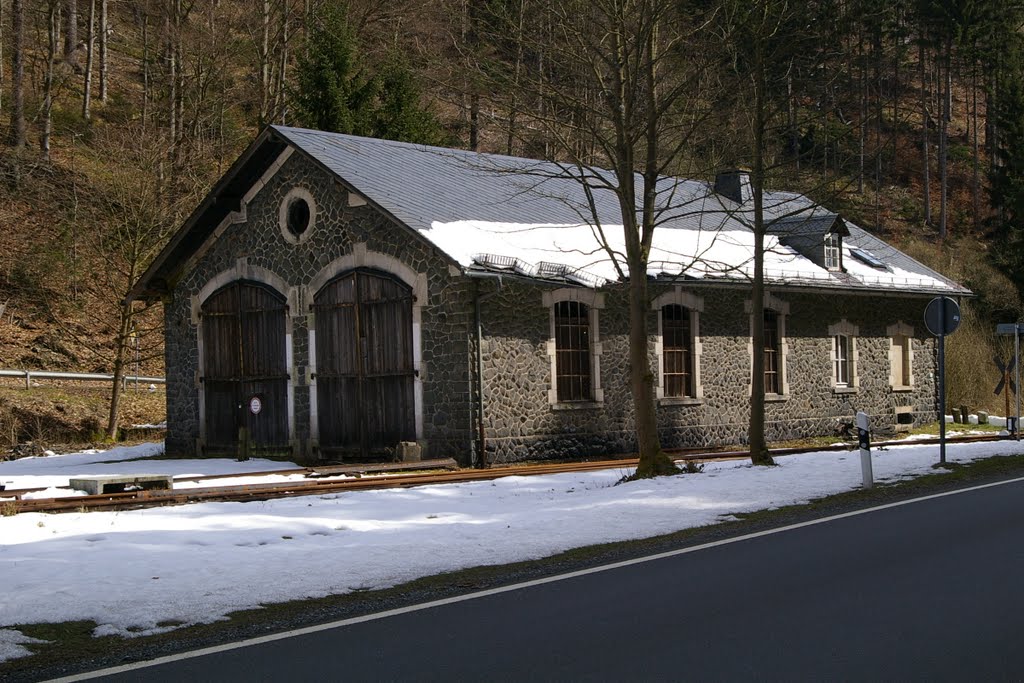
[135,572]
[12,644]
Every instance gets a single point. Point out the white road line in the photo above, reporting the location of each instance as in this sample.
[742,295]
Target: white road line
[505,589]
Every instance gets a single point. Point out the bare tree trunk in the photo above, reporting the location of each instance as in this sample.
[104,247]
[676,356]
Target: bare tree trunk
[947,95]
[178,102]
[51,56]
[897,59]
[71,33]
[145,70]
[1,56]
[16,136]
[794,139]
[171,55]
[863,71]
[104,31]
[474,121]
[876,48]
[282,72]
[925,156]
[264,54]
[975,158]
[514,94]
[90,38]
[653,461]
[759,454]
[120,357]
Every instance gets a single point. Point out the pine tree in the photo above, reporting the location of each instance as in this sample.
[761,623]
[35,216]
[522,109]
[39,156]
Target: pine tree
[337,92]
[398,114]
[333,92]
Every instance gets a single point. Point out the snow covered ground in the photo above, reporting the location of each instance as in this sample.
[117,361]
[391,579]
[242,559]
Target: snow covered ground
[147,571]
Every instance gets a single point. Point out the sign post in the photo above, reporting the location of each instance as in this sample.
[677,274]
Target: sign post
[1016,329]
[864,439]
[1005,386]
[942,317]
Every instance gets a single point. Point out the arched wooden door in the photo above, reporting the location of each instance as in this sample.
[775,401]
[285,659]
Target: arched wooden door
[244,358]
[364,365]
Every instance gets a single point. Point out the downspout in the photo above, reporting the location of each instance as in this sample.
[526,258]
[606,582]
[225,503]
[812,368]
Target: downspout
[480,452]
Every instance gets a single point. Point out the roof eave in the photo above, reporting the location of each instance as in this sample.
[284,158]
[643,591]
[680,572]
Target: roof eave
[225,197]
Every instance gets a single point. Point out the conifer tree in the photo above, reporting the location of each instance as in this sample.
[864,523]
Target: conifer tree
[333,92]
[336,92]
[398,114]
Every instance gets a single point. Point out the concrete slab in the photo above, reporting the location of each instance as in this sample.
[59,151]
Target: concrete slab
[114,484]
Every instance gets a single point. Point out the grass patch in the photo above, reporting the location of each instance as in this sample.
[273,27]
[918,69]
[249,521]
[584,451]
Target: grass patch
[932,429]
[55,415]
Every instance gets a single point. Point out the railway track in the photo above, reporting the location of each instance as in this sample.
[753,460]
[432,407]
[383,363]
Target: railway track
[322,480]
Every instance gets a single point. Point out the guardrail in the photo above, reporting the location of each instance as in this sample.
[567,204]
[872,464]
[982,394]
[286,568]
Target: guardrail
[29,375]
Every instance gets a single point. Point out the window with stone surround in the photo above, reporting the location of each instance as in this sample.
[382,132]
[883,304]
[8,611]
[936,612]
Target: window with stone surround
[677,349]
[901,356]
[772,364]
[297,215]
[574,346]
[843,336]
[776,347]
[572,351]
[678,346]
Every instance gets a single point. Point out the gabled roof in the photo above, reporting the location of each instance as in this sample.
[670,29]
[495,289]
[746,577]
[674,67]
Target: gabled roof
[480,210]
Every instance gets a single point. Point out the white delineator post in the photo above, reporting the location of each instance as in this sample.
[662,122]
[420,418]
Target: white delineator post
[864,437]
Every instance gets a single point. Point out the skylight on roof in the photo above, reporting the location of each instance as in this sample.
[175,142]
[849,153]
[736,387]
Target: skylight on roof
[868,258]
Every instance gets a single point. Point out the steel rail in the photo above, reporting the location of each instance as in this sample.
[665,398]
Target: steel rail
[267,491]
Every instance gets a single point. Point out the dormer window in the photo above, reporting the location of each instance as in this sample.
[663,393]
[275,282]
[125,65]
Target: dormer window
[833,245]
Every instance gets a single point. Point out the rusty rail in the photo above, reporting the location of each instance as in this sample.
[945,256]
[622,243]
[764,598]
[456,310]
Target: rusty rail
[253,492]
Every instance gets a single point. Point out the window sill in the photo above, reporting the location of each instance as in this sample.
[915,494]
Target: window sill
[776,398]
[845,390]
[578,405]
[900,389]
[669,401]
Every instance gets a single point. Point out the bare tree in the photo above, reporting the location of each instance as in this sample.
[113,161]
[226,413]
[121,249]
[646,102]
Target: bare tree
[48,79]
[135,218]
[104,36]
[1,56]
[263,52]
[71,33]
[925,117]
[617,93]
[769,47]
[146,87]
[90,42]
[16,134]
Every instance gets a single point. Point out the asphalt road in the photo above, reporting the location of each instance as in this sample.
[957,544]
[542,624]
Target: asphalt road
[931,590]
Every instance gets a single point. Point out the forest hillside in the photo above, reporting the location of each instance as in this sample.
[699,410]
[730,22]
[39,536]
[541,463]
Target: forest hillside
[116,117]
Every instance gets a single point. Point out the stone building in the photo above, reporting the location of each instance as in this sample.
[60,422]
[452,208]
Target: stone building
[336,296]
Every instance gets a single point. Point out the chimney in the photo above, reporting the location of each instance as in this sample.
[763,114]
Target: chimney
[734,184]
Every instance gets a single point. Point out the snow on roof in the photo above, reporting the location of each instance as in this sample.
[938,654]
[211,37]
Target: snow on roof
[540,215]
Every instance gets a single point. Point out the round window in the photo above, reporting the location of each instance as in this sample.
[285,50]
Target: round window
[298,216]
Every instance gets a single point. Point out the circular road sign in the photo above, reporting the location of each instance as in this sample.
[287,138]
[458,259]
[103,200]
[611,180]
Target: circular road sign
[942,316]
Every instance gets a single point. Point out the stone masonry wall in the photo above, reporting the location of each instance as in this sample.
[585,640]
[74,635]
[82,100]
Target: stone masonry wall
[521,424]
[257,246]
